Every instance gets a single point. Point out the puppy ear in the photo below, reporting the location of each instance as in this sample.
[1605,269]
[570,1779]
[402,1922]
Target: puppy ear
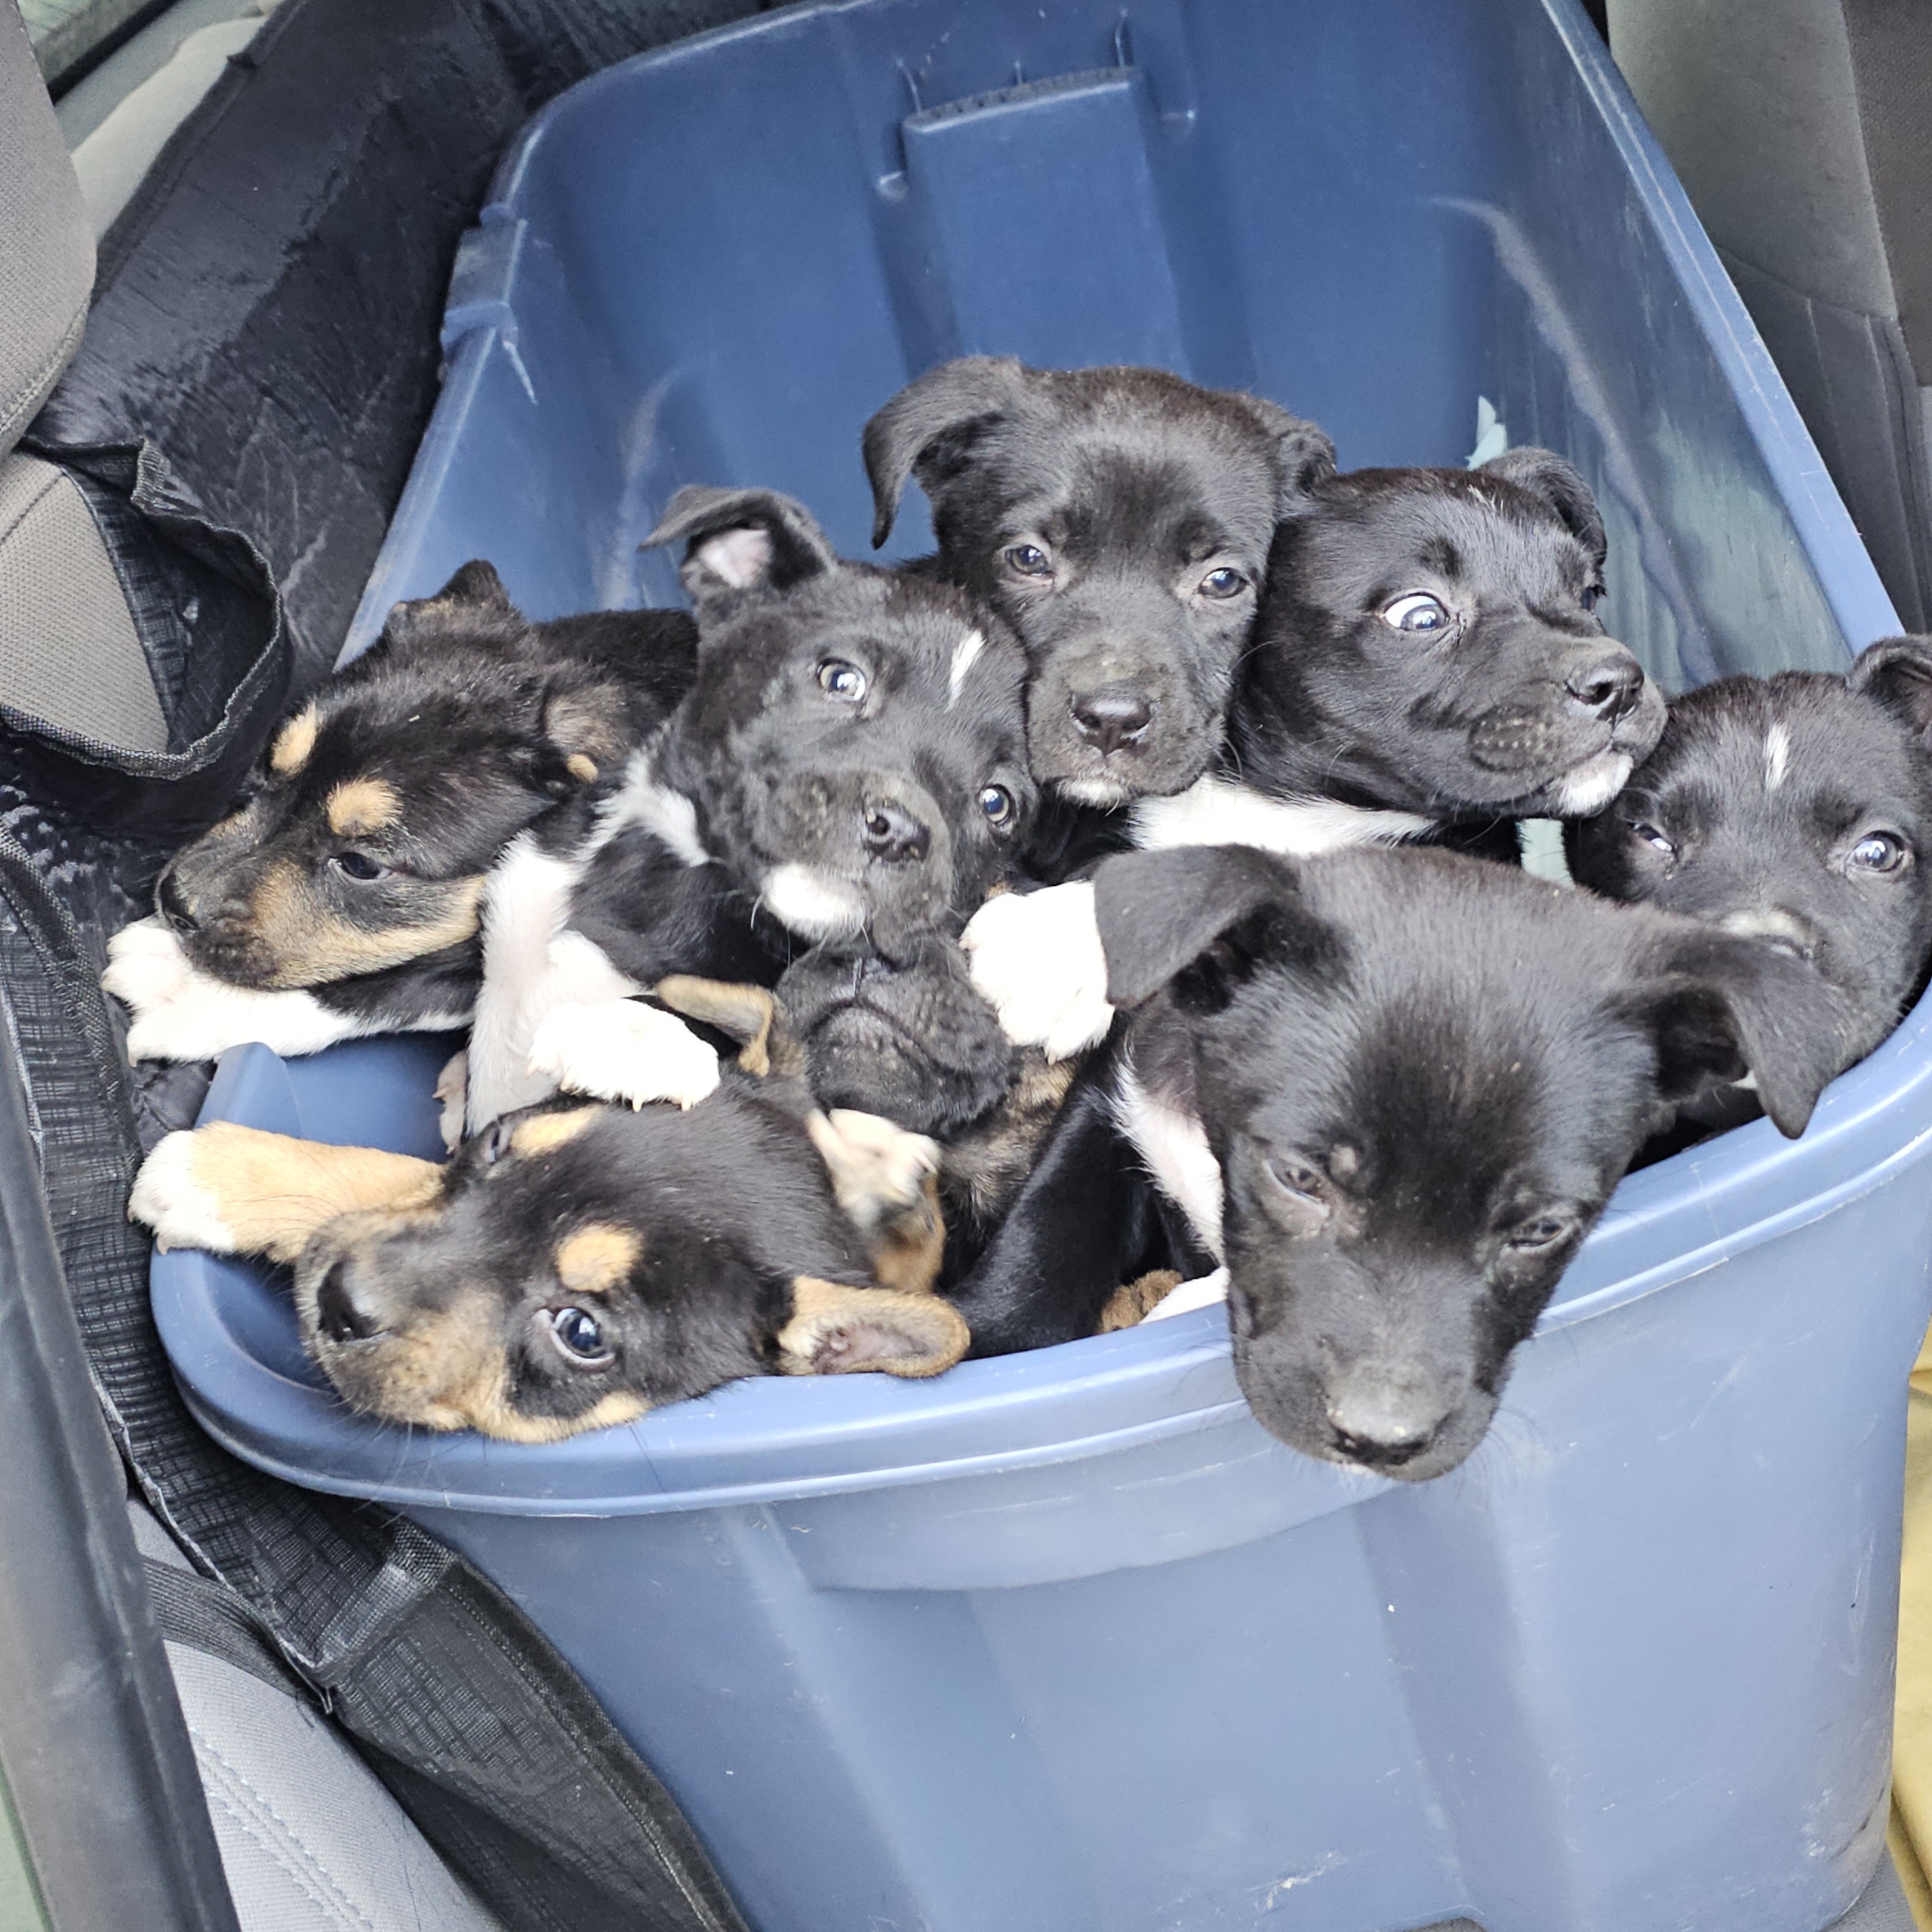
[1543,473]
[1897,671]
[474,597]
[1305,456]
[836,1329]
[586,724]
[1210,912]
[1721,1006]
[740,541]
[931,426]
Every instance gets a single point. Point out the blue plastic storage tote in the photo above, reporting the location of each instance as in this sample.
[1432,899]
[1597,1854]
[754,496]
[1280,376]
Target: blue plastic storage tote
[1064,1642]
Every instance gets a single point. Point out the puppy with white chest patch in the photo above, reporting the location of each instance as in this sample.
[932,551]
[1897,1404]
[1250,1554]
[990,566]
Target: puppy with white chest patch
[847,773]
[343,897]
[1796,810]
[1429,666]
[1119,519]
[1392,1092]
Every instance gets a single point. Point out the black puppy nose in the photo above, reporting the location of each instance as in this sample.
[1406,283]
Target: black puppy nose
[1381,1429]
[335,1313]
[893,834]
[1609,688]
[1113,716]
[174,906]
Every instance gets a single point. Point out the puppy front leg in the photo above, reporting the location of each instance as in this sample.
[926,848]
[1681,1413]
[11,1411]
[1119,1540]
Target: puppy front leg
[182,1013]
[886,1180]
[623,1050]
[238,1190]
[1037,957]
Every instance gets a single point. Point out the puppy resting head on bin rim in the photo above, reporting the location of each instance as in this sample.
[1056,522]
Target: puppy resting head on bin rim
[1421,1075]
[576,1266]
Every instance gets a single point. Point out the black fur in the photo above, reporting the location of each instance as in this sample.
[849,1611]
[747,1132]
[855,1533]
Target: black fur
[1119,519]
[1816,840]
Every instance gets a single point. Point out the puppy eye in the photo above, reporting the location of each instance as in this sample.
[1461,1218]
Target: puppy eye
[844,681]
[1643,829]
[581,1336]
[996,801]
[1879,852]
[1537,1236]
[1223,583]
[1591,595]
[1295,1177]
[359,866]
[1417,613]
[1028,559]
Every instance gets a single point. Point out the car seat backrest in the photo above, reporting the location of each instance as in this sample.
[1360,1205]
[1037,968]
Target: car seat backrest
[1800,130]
[69,654]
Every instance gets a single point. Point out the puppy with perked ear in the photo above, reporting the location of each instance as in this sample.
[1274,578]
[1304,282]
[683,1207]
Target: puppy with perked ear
[576,1266]
[1392,1092]
[1796,810]
[847,777]
[343,896]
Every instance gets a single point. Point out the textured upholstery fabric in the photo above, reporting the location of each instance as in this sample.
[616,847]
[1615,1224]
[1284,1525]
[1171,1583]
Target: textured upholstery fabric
[46,245]
[69,653]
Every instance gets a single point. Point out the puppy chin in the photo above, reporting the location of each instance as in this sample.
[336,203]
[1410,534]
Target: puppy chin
[1104,792]
[1583,791]
[813,902]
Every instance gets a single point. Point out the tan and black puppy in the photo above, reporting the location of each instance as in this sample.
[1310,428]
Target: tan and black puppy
[577,1266]
[343,897]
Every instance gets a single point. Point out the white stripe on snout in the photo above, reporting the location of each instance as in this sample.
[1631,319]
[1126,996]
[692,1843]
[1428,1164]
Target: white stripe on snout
[965,654]
[1777,753]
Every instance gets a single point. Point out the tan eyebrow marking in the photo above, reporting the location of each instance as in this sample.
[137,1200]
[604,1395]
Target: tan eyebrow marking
[596,1258]
[546,1132]
[359,806]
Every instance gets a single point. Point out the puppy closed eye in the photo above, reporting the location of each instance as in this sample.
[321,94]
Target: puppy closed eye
[579,1336]
[1880,852]
[1417,613]
[1541,1234]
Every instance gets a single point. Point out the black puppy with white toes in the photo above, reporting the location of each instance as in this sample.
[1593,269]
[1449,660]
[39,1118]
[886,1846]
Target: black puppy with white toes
[1394,1090]
[1119,519]
[846,777]
[1795,810]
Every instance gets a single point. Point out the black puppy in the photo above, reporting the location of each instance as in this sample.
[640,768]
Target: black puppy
[343,897]
[1796,810]
[577,1266]
[1119,519]
[847,773]
[1393,1090]
[1429,663]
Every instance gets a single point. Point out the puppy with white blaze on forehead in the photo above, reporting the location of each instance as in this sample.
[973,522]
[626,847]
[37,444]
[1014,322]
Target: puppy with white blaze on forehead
[1393,1091]
[846,777]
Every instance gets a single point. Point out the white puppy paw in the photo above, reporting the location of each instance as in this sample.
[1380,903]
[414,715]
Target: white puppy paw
[623,1050]
[168,1198]
[878,1168]
[1037,957]
[181,1013]
[452,1090]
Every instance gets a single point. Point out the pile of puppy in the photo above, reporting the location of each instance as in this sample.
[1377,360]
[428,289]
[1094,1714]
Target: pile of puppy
[877,965]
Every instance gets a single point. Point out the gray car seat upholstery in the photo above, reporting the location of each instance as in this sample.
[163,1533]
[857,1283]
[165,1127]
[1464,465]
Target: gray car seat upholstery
[310,1838]
[69,651]
[1802,131]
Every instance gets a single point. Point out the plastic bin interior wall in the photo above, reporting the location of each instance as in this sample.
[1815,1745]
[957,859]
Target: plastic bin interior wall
[1064,1642]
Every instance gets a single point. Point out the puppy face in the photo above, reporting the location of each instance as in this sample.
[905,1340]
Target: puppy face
[1422,1076]
[1797,811]
[854,745]
[579,1265]
[1119,519]
[1431,645]
[369,824]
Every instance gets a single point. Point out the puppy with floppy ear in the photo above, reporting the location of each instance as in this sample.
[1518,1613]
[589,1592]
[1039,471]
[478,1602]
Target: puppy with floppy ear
[578,1266]
[1796,810]
[1392,1092]
[847,773]
[1429,665]
[343,896]
[1119,519]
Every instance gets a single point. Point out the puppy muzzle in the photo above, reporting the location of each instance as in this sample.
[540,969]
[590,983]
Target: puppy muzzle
[856,852]
[1113,725]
